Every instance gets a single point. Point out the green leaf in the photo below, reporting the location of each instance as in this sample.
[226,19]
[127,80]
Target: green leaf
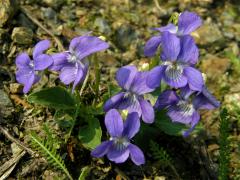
[84,173]
[90,135]
[55,97]
[164,123]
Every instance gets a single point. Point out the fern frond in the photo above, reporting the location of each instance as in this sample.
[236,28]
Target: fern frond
[84,173]
[160,154]
[48,151]
[224,158]
[163,157]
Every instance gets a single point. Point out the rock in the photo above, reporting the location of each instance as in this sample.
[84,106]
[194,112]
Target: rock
[49,13]
[6,106]
[3,35]
[7,10]
[15,88]
[54,3]
[232,101]
[22,35]
[125,36]
[102,25]
[159,178]
[209,34]
[4,100]
[24,21]
[214,66]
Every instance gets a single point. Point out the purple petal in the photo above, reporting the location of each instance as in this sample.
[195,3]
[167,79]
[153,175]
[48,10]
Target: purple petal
[170,28]
[135,107]
[118,156]
[166,98]
[29,84]
[147,111]
[205,100]
[176,81]
[88,45]
[186,92]
[155,76]
[194,78]
[40,47]
[139,84]
[195,120]
[59,61]
[23,60]
[180,114]
[42,62]
[125,76]
[131,125]
[27,78]
[68,74]
[81,74]
[79,77]
[102,149]
[152,45]
[136,154]
[113,102]
[189,51]
[188,22]
[170,46]
[114,123]
[75,41]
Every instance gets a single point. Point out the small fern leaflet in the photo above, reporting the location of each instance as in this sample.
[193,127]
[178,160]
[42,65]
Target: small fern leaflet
[49,152]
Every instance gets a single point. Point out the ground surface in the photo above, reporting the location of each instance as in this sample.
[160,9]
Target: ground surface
[126,26]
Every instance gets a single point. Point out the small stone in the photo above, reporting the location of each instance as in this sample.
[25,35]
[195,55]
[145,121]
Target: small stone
[22,35]
[232,101]
[15,88]
[159,178]
[54,3]
[7,9]
[213,147]
[102,25]
[208,34]
[4,99]
[125,36]
[3,35]
[6,106]
[15,149]
[24,21]
[220,66]
[49,13]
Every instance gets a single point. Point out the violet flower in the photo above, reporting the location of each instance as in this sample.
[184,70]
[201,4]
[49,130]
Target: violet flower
[187,23]
[119,147]
[73,64]
[133,84]
[27,73]
[177,67]
[184,108]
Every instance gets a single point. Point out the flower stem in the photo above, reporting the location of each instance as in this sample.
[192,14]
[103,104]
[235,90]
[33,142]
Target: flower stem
[97,75]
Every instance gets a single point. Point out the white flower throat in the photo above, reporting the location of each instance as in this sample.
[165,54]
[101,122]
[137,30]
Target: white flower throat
[185,108]
[174,70]
[120,143]
[73,56]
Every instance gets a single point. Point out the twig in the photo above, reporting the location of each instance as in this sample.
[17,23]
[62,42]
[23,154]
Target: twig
[84,83]
[8,166]
[11,138]
[34,20]
[158,6]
